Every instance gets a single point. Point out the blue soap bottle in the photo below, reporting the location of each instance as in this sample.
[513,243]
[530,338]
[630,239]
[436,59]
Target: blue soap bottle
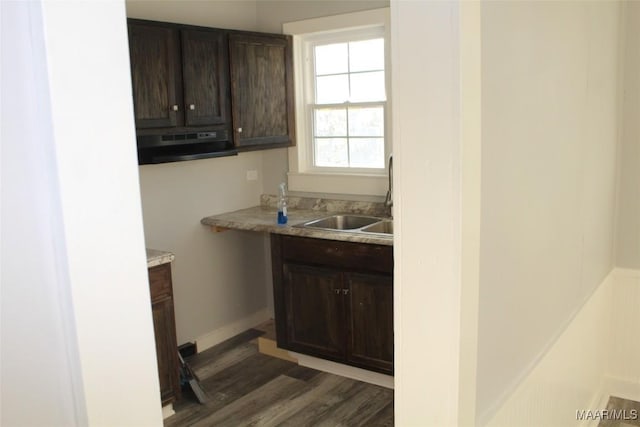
[282,204]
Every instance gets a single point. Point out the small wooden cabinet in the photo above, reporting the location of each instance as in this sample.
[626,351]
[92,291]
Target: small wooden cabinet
[165,332]
[261,69]
[334,300]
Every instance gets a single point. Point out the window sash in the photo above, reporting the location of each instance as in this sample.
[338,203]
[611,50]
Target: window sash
[314,163]
[348,136]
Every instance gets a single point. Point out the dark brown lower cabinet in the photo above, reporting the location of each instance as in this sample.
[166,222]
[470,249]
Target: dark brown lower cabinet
[370,319]
[334,300]
[164,327]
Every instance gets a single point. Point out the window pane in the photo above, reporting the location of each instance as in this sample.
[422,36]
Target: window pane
[367,87]
[331,59]
[331,152]
[366,55]
[331,122]
[367,121]
[366,152]
[332,89]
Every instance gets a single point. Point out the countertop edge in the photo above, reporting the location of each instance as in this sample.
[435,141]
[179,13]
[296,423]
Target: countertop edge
[156,257]
[223,221]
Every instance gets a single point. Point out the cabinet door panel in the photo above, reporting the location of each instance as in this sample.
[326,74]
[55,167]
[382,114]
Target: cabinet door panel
[205,78]
[370,317]
[155,71]
[314,310]
[261,90]
[166,349]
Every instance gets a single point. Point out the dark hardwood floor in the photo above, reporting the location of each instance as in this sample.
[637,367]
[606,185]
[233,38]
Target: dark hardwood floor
[245,387]
[624,413]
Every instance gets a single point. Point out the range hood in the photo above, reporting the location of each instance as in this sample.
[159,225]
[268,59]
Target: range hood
[177,147]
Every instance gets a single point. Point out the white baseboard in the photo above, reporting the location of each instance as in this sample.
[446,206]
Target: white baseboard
[568,376]
[623,388]
[344,370]
[600,401]
[594,357]
[212,338]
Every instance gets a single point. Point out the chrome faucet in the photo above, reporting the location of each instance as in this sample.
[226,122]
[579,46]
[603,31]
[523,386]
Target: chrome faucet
[388,201]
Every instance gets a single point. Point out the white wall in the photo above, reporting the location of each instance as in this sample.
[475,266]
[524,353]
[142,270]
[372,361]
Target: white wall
[564,382]
[36,312]
[75,294]
[628,237]
[549,132]
[232,14]
[623,370]
[427,252]
[273,13]
[218,278]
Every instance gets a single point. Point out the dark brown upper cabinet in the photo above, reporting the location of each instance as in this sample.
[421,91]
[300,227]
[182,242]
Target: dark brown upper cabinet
[155,74]
[204,65]
[261,70]
[197,79]
[179,75]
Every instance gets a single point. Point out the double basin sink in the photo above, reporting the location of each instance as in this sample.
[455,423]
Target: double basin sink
[352,223]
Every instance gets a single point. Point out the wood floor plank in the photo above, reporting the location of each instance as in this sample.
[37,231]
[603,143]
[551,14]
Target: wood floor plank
[224,360]
[249,388]
[280,411]
[213,353]
[382,418]
[356,409]
[252,408]
[302,373]
[224,387]
[247,374]
[324,403]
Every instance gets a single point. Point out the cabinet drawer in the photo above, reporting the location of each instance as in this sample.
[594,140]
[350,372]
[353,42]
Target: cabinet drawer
[355,256]
[160,282]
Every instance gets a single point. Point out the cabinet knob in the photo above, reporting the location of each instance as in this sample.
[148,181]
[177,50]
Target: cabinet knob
[345,291]
[192,107]
[174,107]
[239,130]
[337,291]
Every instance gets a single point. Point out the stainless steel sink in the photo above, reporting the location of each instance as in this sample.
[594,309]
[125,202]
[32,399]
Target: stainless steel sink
[352,223]
[342,222]
[383,227]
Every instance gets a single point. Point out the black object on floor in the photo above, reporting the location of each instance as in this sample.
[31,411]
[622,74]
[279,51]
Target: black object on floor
[188,377]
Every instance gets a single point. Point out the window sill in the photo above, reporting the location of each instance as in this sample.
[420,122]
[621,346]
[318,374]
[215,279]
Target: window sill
[366,185]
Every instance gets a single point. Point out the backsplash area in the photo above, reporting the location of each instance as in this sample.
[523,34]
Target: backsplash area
[328,205]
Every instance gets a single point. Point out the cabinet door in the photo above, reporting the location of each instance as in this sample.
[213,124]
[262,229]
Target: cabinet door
[261,90]
[166,349]
[314,306]
[155,71]
[164,327]
[370,318]
[204,70]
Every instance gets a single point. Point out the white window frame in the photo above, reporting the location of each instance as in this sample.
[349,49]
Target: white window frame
[303,175]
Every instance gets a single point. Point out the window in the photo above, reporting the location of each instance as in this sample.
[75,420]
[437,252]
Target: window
[342,104]
[348,105]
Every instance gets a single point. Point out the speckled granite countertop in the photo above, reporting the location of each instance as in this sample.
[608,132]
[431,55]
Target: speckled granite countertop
[263,218]
[156,257]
